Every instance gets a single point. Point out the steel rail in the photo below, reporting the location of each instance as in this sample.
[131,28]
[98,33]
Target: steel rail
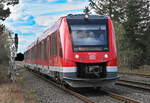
[123,98]
[141,75]
[134,84]
[83,98]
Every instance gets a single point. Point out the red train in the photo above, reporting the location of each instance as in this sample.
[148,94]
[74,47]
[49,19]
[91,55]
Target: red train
[78,50]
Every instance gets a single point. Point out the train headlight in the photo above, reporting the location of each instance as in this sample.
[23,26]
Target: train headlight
[76,56]
[106,55]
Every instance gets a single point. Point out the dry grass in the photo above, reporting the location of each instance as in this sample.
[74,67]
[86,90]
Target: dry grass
[12,92]
[142,70]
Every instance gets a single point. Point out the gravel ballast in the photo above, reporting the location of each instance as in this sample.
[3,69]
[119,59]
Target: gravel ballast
[141,95]
[135,78]
[46,92]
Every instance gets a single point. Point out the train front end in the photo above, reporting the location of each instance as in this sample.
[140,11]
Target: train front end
[89,51]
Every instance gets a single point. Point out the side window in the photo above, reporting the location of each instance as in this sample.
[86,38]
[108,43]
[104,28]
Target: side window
[45,49]
[60,47]
[52,43]
[50,46]
[55,38]
[40,50]
[34,52]
[31,53]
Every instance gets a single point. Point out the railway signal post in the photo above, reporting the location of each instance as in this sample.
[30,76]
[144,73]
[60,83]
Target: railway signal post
[13,54]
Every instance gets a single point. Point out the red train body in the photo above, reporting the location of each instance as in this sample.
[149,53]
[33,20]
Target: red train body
[76,50]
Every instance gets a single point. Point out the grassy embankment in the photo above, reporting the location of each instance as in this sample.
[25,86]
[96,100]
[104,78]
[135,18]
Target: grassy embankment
[142,70]
[12,92]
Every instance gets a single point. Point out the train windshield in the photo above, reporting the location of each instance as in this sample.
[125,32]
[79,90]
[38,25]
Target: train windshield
[92,37]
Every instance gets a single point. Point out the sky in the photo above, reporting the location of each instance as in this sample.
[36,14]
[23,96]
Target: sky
[30,18]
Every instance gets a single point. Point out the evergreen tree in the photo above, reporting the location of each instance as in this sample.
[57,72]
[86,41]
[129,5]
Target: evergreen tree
[112,8]
[4,33]
[136,27]
[4,13]
[133,16]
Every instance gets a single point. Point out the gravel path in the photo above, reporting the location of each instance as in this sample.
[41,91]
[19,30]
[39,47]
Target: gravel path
[46,92]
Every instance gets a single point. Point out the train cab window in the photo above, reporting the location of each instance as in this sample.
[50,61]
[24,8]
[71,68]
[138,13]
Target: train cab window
[89,36]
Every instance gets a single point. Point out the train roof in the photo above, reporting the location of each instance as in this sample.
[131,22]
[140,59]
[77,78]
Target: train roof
[81,16]
[44,35]
[55,26]
[31,45]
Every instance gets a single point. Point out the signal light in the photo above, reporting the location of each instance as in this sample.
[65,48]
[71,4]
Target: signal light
[16,41]
[86,16]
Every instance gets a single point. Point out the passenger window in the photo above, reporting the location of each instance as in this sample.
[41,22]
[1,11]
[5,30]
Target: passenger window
[60,48]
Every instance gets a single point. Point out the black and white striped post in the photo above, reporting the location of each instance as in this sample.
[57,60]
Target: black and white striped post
[13,54]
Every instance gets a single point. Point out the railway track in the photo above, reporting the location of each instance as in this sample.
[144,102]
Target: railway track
[84,98]
[141,75]
[133,84]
